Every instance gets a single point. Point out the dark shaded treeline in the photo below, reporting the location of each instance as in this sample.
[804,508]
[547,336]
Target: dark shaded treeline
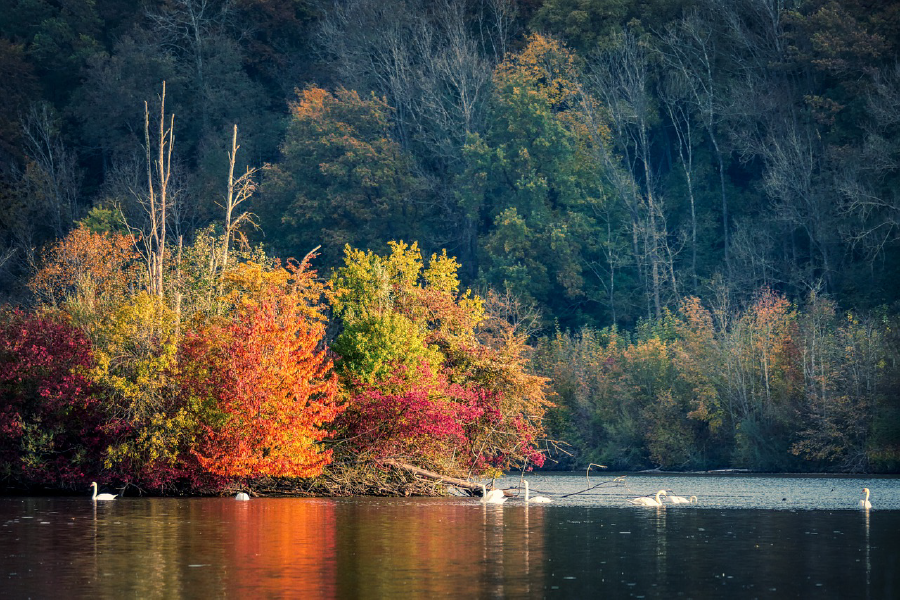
[604,161]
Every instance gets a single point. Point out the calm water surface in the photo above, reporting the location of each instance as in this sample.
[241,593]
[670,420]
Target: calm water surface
[748,537]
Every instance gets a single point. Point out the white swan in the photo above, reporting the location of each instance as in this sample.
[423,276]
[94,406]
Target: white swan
[492,497]
[648,501]
[97,496]
[682,499]
[242,496]
[865,503]
[536,499]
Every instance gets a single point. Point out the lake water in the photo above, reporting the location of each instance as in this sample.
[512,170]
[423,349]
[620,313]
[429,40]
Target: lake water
[747,537]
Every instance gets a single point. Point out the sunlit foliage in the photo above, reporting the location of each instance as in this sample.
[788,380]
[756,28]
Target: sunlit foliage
[88,270]
[426,381]
[261,383]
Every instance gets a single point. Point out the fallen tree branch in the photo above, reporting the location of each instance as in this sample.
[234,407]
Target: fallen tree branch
[461,483]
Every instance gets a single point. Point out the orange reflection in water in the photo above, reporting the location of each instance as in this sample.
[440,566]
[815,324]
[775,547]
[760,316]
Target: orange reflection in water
[380,548]
[279,548]
[283,548]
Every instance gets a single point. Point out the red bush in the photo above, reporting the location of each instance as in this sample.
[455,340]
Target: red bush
[52,427]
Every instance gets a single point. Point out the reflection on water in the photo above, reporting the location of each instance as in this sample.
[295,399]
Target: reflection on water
[377,547]
[438,548]
[868,550]
[740,554]
[273,542]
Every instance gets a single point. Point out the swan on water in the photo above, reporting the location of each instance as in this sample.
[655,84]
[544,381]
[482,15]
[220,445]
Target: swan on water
[536,499]
[97,496]
[492,497]
[648,501]
[242,496]
[682,499]
[865,503]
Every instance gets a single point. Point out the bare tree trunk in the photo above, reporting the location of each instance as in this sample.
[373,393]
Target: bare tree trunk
[620,78]
[57,180]
[673,99]
[164,170]
[653,236]
[688,50]
[239,191]
[157,193]
[612,271]
[153,242]
[229,198]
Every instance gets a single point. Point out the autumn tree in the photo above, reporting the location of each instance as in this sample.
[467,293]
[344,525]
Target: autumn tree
[53,423]
[341,179]
[261,380]
[429,379]
[634,399]
[585,371]
[767,386]
[844,385]
[89,273]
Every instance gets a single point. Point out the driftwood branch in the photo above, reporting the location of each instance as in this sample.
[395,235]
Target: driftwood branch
[460,483]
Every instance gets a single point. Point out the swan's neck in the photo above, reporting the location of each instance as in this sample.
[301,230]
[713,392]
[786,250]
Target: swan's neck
[94,487]
[867,494]
[526,491]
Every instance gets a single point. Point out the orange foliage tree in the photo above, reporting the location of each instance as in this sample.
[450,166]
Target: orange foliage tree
[86,266]
[261,379]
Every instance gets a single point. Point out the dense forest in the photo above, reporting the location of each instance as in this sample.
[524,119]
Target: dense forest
[662,233]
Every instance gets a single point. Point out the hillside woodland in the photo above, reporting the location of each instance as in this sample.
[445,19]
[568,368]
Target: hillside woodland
[289,243]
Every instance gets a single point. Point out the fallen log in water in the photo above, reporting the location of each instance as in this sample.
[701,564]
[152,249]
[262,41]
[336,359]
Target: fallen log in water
[475,488]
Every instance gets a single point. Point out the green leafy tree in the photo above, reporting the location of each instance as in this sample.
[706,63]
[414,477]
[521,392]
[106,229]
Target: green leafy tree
[58,37]
[529,185]
[420,358]
[341,179]
[582,23]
